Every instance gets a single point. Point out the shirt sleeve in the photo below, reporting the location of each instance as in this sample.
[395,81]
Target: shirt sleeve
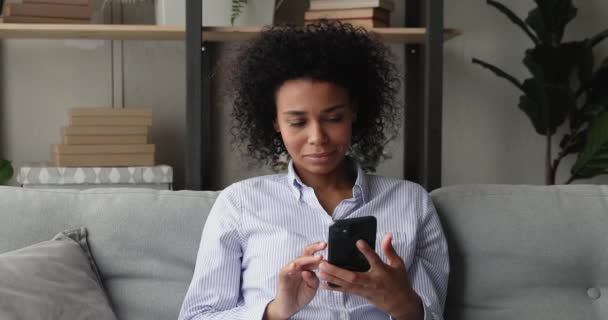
[430,269]
[214,292]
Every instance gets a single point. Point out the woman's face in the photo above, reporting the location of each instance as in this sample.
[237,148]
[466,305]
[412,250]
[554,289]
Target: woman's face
[315,120]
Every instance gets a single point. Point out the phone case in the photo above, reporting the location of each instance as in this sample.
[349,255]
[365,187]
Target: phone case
[343,235]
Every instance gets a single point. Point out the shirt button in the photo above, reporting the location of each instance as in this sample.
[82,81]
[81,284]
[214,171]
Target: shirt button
[594,293]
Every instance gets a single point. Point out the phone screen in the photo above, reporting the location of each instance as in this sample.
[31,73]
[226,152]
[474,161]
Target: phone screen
[343,236]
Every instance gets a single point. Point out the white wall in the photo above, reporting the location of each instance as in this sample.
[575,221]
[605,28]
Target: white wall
[486,138]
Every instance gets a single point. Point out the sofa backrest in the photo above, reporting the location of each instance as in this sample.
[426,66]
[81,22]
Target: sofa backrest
[144,241]
[516,252]
[526,252]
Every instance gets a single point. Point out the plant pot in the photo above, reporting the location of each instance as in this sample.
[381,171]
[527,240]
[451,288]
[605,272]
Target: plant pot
[216,13]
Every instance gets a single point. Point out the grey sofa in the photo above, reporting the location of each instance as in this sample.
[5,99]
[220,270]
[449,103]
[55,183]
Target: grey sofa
[517,252]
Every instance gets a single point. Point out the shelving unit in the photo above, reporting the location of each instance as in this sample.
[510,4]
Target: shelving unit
[153,32]
[423,60]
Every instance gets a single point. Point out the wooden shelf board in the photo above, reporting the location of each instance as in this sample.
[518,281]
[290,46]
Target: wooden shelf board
[154,32]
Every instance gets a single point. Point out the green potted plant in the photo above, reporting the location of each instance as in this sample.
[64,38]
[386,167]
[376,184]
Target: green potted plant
[6,171]
[237,7]
[566,87]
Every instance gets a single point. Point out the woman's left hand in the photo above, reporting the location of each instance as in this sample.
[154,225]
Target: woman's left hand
[385,285]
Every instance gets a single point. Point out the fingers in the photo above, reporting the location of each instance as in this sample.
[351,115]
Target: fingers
[310,279]
[327,271]
[391,255]
[369,253]
[311,249]
[302,263]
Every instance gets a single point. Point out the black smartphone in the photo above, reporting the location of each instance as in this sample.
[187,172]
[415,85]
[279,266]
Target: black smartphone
[343,235]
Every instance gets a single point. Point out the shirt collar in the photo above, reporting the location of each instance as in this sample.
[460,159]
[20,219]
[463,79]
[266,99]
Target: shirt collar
[360,189]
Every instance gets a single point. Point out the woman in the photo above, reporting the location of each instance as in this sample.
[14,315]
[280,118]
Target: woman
[318,93]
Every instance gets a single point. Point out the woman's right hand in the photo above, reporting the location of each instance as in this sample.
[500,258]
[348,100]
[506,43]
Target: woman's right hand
[297,285]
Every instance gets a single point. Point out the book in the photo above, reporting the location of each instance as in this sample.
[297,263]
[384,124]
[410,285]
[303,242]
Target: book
[110,121]
[103,160]
[361,13]
[6,18]
[48,10]
[365,23]
[111,112]
[97,140]
[102,149]
[64,2]
[351,4]
[104,131]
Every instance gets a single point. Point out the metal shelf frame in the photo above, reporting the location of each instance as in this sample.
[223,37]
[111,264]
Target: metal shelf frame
[423,97]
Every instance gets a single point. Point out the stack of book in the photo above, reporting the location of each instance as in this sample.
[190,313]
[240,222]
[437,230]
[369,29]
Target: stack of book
[363,13]
[105,137]
[48,11]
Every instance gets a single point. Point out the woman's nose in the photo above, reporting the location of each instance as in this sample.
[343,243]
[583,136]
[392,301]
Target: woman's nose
[317,134]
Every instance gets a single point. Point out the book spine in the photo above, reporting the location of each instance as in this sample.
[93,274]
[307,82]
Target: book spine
[110,112]
[342,4]
[7,18]
[104,131]
[103,140]
[111,121]
[103,149]
[49,10]
[365,23]
[375,13]
[64,2]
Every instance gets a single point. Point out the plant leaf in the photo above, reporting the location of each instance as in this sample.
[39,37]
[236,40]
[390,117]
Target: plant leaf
[499,72]
[6,171]
[547,106]
[514,18]
[237,9]
[549,19]
[554,65]
[593,160]
[598,38]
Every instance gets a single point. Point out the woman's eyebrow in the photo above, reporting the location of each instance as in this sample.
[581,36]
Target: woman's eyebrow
[334,108]
[302,113]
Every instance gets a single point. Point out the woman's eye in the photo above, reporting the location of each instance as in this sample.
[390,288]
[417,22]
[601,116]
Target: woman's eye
[334,119]
[296,123]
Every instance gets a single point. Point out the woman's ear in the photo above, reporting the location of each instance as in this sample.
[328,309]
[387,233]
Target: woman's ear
[275,124]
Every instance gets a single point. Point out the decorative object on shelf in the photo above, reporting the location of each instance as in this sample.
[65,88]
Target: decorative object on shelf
[364,13]
[105,137]
[6,171]
[45,176]
[565,84]
[48,11]
[219,12]
[238,6]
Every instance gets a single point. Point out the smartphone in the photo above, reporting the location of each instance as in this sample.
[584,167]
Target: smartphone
[343,235]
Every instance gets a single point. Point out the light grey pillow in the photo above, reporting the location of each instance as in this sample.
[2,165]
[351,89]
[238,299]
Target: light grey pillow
[55,279]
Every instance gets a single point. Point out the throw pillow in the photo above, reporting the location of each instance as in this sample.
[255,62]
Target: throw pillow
[55,279]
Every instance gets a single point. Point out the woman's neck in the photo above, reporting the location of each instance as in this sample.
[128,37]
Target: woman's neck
[339,179]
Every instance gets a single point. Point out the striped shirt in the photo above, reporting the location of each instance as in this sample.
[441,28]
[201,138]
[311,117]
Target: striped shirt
[257,226]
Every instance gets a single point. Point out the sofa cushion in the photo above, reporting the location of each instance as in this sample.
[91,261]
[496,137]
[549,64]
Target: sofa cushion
[55,279]
[144,241]
[526,252]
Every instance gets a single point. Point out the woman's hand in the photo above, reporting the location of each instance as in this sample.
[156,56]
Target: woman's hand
[297,285]
[387,286]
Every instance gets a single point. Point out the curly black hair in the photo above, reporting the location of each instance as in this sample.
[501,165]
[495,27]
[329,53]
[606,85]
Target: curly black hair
[331,51]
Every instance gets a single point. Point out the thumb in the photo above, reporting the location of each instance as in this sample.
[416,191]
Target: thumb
[391,255]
